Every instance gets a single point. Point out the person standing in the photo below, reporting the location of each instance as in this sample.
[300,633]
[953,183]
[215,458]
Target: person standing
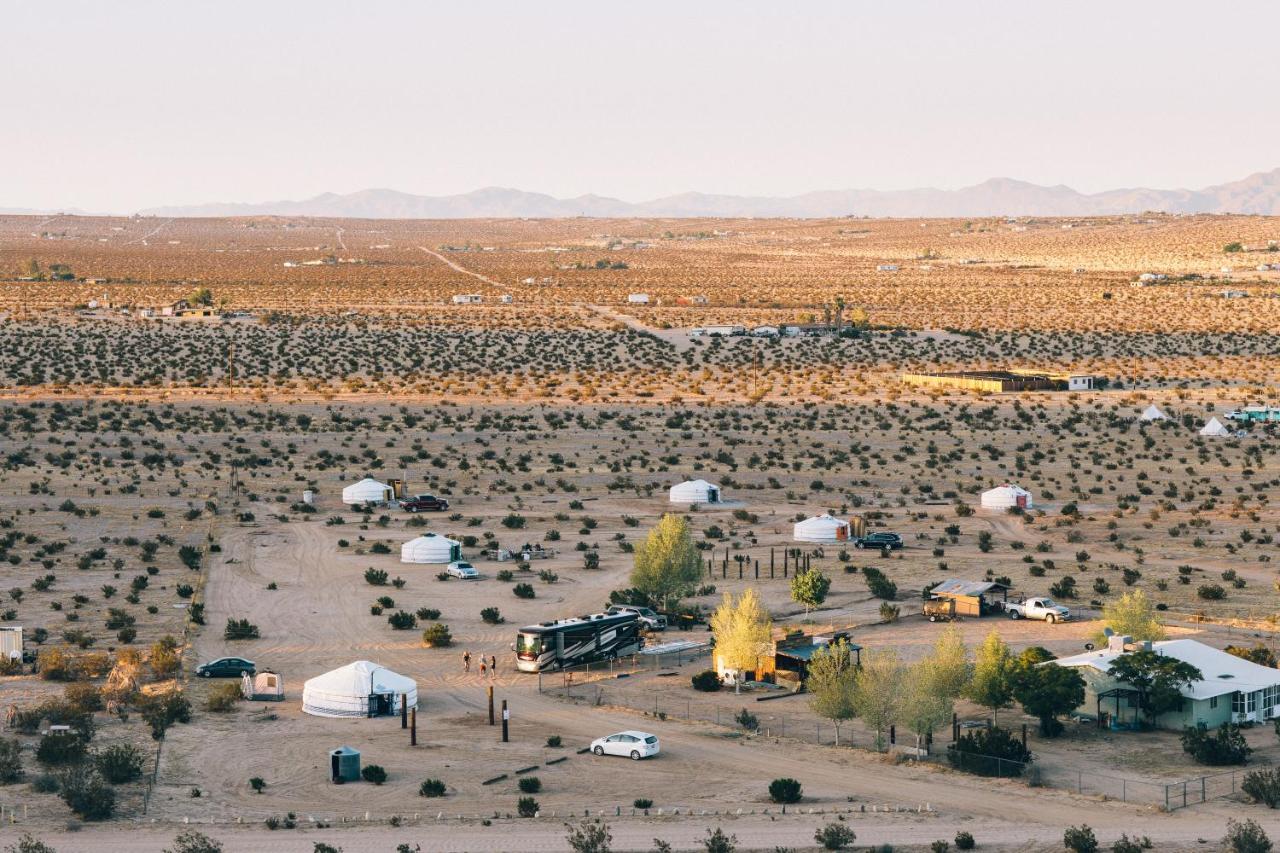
[493,666]
[466,661]
[482,666]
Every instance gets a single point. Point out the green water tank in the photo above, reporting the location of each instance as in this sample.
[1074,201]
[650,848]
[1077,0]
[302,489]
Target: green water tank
[344,765]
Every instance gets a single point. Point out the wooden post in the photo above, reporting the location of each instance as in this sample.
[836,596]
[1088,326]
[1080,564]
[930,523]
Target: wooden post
[1024,735]
[489,690]
[506,715]
[757,570]
[893,735]
[413,727]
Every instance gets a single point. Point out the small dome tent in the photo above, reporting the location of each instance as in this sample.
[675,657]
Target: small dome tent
[1006,496]
[695,492]
[1215,428]
[821,528]
[366,491]
[359,689]
[430,548]
[264,686]
[1153,413]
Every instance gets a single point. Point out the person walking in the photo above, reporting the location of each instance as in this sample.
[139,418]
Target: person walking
[482,666]
[466,661]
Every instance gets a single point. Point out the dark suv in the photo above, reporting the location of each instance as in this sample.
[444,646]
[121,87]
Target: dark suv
[424,503]
[880,541]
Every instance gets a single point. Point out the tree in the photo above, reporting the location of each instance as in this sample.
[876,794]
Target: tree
[590,836]
[835,836]
[992,683]
[194,841]
[201,296]
[667,564]
[31,269]
[717,842]
[949,667]
[925,704]
[831,684]
[1259,654]
[1080,839]
[1246,837]
[742,632]
[10,761]
[877,693]
[1046,691]
[1132,615]
[1159,680]
[810,588]
[28,843]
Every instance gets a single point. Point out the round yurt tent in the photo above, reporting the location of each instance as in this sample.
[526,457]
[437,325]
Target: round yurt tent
[1006,496]
[821,528]
[1153,413]
[695,492]
[360,689]
[366,491]
[430,548]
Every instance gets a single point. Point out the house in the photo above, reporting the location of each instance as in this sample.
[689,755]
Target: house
[505,299]
[724,331]
[691,300]
[1004,381]
[638,298]
[887,268]
[785,660]
[972,598]
[765,332]
[467,299]
[1231,689]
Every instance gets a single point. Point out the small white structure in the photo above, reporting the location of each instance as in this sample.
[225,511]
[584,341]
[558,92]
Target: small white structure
[765,332]
[366,491]
[1214,428]
[695,492]
[724,330]
[887,268]
[1079,382]
[309,497]
[11,642]
[431,548]
[1006,496]
[638,298]
[821,528]
[505,299]
[1153,413]
[265,686]
[467,299]
[359,689]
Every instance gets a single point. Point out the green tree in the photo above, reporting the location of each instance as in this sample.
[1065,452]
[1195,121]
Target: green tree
[878,691]
[1132,615]
[992,682]
[742,631]
[1046,691]
[1159,680]
[810,588]
[589,836]
[194,841]
[1259,654]
[949,666]
[831,684]
[201,296]
[667,564]
[1246,837]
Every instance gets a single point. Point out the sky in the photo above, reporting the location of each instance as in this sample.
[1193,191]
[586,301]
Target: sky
[116,107]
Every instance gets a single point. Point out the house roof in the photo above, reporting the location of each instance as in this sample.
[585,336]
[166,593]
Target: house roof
[955,586]
[805,652]
[1223,673]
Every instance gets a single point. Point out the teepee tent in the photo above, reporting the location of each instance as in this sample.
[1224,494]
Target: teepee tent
[366,491]
[1006,496]
[430,548]
[360,689]
[821,528]
[1153,413]
[1215,428]
[695,492]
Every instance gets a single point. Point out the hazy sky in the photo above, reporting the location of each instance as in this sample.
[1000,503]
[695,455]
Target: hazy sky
[120,106]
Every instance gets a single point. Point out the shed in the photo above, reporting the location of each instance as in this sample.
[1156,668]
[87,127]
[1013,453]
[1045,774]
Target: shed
[11,642]
[366,491]
[265,686]
[821,528]
[1214,428]
[430,548]
[1006,496]
[1153,413]
[344,765]
[695,492]
[972,598]
[359,689]
[791,657]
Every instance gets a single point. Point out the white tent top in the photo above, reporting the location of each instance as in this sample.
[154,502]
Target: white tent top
[345,691]
[429,548]
[1006,496]
[367,489]
[820,528]
[694,491]
[1214,427]
[1153,413]
[1222,673]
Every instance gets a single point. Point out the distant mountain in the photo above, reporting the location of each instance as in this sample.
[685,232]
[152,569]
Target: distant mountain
[1258,194]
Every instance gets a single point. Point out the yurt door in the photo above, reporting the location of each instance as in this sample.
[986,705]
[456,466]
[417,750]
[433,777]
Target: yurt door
[379,704]
[713,496]
[334,769]
[455,553]
[1022,501]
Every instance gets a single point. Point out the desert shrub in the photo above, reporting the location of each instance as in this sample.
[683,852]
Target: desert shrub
[28,843]
[989,752]
[785,790]
[427,614]
[374,773]
[1224,746]
[835,836]
[163,710]
[240,629]
[523,590]
[61,748]
[529,784]
[527,807]
[10,761]
[717,842]
[1211,592]
[402,621]
[257,783]
[506,575]
[1246,837]
[127,635]
[590,836]
[708,681]
[513,521]
[376,577]
[223,698]
[194,841]
[45,783]
[964,841]
[431,788]
[747,720]
[83,697]
[1080,839]
[491,616]
[1263,786]
[941,846]
[1125,844]
[379,548]
[437,636]
[555,741]
[642,803]
[119,764]
[56,665]
[87,794]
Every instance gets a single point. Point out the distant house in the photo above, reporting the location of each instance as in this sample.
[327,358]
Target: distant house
[467,299]
[887,268]
[505,299]
[785,660]
[691,300]
[638,298]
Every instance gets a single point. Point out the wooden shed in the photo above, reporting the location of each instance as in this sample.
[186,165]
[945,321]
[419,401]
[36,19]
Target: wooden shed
[972,598]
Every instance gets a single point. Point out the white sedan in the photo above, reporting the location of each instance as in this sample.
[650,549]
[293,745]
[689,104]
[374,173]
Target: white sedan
[464,570]
[633,745]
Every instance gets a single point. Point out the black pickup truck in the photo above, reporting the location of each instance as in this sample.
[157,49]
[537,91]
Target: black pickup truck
[424,503]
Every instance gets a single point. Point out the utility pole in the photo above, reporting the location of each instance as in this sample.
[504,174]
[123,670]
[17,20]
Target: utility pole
[231,365]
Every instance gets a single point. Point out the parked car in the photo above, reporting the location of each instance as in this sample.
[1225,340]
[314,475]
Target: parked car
[424,503]
[463,570]
[631,744]
[1038,608]
[226,668]
[879,541]
[651,619]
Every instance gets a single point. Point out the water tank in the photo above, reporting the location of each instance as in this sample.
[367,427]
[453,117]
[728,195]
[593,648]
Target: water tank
[344,765]
[309,497]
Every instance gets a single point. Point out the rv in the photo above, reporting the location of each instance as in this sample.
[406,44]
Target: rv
[583,639]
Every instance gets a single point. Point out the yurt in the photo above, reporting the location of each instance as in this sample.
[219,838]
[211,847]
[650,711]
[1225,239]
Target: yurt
[264,686]
[821,528]
[1215,428]
[695,492]
[430,548]
[1006,496]
[360,689]
[1153,413]
[366,491]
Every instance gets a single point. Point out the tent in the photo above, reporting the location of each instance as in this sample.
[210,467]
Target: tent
[821,528]
[430,548]
[360,689]
[1153,413]
[1215,428]
[1006,496]
[695,492]
[366,491]
[265,686]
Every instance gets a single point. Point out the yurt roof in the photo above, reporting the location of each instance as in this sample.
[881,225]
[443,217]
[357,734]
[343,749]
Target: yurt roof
[825,520]
[357,679]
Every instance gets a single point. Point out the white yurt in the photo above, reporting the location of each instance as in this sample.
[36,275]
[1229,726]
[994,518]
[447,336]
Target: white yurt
[1006,496]
[821,528]
[366,491]
[430,548]
[360,689]
[695,492]
[1215,428]
[1153,413]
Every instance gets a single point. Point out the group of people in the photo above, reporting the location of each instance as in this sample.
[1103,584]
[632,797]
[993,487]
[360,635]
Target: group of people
[488,666]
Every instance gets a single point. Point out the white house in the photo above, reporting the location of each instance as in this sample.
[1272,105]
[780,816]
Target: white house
[467,299]
[765,332]
[1079,382]
[1006,496]
[638,298]
[822,529]
[695,492]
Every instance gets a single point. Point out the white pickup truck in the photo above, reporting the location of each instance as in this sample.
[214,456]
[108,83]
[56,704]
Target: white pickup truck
[1038,608]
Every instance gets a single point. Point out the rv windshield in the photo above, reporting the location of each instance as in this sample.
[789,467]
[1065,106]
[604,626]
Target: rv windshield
[528,646]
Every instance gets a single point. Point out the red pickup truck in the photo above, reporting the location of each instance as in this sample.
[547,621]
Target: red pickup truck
[424,503]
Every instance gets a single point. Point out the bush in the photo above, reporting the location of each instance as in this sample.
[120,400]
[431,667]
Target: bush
[513,522]
[437,636]
[527,807]
[373,773]
[491,616]
[240,629]
[402,621]
[376,577]
[1246,837]
[10,761]
[163,710]
[506,575]
[1263,786]
[964,841]
[989,752]
[747,720]
[83,698]
[427,614]
[119,764]
[1080,839]
[1211,592]
[86,794]
[529,784]
[1225,746]
[523,590]
[708,681]
[61,748]
[257,784]
[194,841]
[835,836]
[785,790]
[1124,844]
[223,698]
[717,842]
[45,783]
[642,803]
[28,843]
[940,846]
[431,788]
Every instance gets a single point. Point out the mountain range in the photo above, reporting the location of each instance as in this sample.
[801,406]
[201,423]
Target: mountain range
[1257,194]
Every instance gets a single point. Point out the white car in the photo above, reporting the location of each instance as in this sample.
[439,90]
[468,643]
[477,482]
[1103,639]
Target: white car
[633,745]
[463,570]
